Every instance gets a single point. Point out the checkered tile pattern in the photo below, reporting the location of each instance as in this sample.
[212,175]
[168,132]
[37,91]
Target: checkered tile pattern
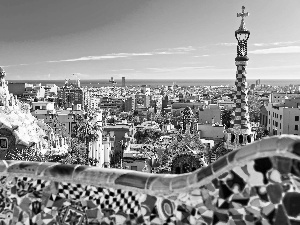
[116,199]
[240,118]
[70,191]
[124,201]
[40,184]
[37,185]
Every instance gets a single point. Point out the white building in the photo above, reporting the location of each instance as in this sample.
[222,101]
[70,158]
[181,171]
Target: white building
[105,154]
[52,117]
[284,118]
[43,105]
[281,97]
[211,132]
[226,104]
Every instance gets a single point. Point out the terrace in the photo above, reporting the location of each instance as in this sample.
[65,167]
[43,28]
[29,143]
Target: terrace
[258,183]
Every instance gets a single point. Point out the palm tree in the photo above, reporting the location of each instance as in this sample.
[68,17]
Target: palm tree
[86,130]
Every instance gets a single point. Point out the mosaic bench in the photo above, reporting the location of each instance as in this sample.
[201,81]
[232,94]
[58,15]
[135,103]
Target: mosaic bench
[258,184]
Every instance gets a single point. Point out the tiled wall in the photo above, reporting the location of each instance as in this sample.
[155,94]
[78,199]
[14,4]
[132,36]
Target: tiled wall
[258,184]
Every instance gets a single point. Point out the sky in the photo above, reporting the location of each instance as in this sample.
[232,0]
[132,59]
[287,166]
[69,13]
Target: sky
[147,39]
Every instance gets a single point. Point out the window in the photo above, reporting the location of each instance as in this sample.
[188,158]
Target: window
[3,143]
[296,127]
[280,116]
[134,168]
[280,125]
[296,118]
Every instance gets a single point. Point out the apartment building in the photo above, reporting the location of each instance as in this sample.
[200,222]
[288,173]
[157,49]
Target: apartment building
[284,118]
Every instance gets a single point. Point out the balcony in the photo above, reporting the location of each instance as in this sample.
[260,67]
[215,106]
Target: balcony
[256,184]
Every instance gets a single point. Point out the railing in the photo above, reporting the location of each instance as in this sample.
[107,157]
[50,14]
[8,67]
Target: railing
[258,184]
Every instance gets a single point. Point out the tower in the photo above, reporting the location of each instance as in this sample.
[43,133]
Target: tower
[240,130]
[123,82]
[2,78]
[4,93]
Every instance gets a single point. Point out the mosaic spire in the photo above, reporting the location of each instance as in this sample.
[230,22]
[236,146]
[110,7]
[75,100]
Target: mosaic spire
[240,117]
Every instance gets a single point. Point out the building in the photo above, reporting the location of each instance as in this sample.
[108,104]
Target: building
[123,82]
[141,101]
[18,88]
[111,103]
[119,132]
[55,118]
[34,92]
[211,132]
[281,97]
[92,98]
[210,114]
[178,107]
[134,158]
[43,105]
[165,102]
[263,116]
[145,90]
[69,96]
[284,118]
[106,153]
[128,104]
[226,104]
[50,90]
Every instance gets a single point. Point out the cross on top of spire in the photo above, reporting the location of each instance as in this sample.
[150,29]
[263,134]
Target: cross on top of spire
[243,14]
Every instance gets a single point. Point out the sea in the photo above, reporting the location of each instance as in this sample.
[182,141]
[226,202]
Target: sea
[164,82]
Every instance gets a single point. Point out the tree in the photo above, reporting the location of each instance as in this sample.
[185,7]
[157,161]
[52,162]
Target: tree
[77,153]
[86,130]
[147,135]
[150,116]
[261,132]
[187,143]
[254,108]
[226,117]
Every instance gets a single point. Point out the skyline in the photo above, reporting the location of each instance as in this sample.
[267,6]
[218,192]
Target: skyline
[146,39]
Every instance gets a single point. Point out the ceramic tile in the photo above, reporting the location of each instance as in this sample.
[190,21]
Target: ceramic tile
[264,190]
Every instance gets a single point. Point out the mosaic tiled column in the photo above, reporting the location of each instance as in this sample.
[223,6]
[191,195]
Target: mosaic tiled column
[240,123]
[241,114]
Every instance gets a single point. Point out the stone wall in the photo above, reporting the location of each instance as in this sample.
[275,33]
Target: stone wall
[258,184]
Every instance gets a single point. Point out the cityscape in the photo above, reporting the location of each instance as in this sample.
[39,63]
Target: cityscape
[148,142]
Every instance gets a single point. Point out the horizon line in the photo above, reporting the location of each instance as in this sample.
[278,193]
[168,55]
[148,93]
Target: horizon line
[160,79]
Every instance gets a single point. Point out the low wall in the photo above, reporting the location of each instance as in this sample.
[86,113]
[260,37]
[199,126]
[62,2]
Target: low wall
[258,184]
